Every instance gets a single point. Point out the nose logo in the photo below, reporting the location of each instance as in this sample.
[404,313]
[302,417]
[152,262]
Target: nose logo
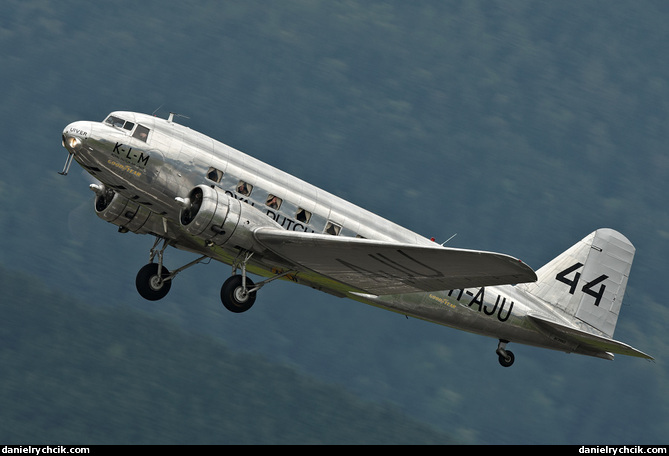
[78,132]
[126,153]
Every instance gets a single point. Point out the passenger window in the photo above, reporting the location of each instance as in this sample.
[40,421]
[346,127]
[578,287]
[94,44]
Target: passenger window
[215,174]
[244,189]
[141,133]
[303,215]
[273,201]
[332,228]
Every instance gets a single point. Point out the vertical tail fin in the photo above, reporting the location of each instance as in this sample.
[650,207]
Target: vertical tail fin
[588,280]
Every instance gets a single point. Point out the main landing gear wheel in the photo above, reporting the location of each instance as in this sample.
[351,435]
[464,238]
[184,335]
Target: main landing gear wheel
[235,296]
[151,286]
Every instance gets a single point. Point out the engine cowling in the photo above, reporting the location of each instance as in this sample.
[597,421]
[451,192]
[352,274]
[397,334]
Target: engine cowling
[210,214]
[128,215]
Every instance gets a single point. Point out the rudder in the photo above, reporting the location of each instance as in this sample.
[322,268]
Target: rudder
[588,280]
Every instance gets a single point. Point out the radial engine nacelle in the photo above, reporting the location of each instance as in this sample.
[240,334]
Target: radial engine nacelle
[127,214]
[210,214]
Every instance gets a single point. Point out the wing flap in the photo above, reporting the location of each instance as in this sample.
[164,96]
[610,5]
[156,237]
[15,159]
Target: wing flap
[586,340]
[384,268]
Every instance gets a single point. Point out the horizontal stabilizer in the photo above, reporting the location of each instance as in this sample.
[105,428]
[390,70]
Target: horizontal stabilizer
[384,268]
[587,342]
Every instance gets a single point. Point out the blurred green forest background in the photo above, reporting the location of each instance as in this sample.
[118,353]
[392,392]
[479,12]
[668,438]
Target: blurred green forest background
[521,126]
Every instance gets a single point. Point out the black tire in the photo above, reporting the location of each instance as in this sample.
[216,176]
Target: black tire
[232,297]
[149,286]
[507,362]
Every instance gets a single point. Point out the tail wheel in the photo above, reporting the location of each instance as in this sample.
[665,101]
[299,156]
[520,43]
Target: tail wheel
[149,285]
[507,360]
[235,297]
[506,357]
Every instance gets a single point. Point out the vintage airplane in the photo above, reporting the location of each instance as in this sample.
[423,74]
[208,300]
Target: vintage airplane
[191,192]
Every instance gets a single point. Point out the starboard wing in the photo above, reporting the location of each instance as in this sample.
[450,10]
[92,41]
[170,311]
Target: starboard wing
[384,268]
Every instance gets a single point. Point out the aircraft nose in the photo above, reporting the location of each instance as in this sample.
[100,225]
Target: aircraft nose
[75,134]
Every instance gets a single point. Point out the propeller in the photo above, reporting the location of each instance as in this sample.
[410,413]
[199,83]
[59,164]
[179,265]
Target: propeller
[190,206]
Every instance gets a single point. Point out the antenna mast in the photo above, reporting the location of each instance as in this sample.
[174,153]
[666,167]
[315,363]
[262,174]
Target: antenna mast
[172,114]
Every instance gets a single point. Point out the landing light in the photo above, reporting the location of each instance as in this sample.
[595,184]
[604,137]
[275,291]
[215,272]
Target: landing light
[73,143]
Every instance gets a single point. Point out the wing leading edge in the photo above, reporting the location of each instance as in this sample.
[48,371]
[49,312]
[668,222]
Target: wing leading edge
[384,268]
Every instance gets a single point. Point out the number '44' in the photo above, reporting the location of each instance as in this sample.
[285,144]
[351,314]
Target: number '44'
[588,287]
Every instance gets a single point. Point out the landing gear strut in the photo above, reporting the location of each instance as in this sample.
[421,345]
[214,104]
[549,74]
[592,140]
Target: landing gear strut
[506,357]
[154,280]
[238,293]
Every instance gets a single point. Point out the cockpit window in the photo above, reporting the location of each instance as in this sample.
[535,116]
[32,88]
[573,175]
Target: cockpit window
[141,133]
[119,123]
[115,121]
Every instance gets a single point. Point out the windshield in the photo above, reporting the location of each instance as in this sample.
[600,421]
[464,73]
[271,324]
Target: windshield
[141,132]
[119,123]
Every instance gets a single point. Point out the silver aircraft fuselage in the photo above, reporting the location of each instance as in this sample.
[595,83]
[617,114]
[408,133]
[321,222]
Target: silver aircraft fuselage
[148,167]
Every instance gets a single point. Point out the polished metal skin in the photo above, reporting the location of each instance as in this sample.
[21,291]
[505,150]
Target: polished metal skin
[191,192]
